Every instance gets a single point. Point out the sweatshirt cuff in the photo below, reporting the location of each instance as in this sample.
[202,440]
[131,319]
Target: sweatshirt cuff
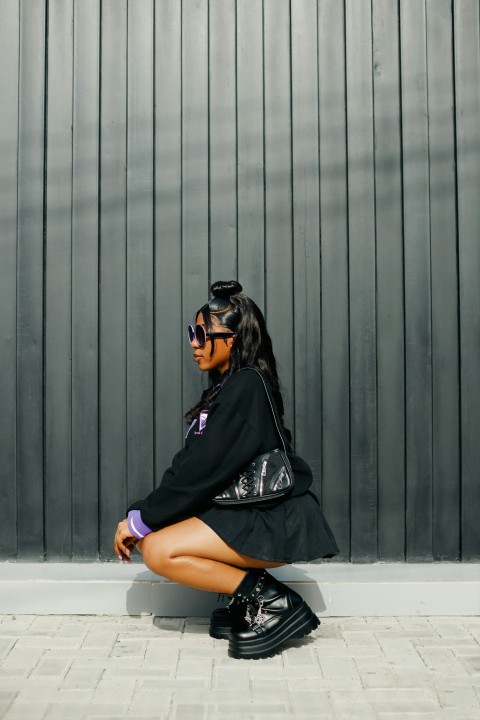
[136,525]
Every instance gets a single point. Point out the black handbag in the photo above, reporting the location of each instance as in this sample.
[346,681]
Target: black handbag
[267,477]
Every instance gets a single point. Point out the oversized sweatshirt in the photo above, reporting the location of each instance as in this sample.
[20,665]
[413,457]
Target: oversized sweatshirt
[239,426]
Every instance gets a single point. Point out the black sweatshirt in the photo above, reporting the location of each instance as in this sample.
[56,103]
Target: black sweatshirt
[239,426]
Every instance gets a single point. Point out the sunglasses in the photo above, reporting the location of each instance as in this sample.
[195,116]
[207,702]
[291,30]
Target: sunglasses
[199,335]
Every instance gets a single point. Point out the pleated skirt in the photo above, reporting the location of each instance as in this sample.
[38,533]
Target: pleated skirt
[295,530]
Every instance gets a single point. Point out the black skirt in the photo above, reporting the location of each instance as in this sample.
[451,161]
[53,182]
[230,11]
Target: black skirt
[295,530]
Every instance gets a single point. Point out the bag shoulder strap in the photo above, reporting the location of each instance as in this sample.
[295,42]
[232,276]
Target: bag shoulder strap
[273,407]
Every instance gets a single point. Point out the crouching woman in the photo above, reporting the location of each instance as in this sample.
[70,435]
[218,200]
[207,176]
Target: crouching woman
[185,536]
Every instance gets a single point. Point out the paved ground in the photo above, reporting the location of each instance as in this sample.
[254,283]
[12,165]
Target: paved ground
[82,666]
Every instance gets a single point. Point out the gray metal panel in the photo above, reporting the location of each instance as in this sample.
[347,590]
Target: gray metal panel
[85,277]
[467,114]
[418,341]
[443,243]
[9,51]
[306,236]
[278,193]
[169,425]
[361,247]
[30,302]
[334,347]
[140,259]
[113,494]
[222,140]
[58,291]
[250,148]
[195,222]
[390,296]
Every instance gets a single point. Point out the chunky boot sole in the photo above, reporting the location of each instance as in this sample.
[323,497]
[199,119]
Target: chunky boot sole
[220,632]
[302,622]
[220,635]
[221,624]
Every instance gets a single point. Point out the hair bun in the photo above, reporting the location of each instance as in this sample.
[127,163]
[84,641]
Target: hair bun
[225,288]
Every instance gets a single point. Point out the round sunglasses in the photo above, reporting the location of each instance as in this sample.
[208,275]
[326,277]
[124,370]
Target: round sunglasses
[199,335]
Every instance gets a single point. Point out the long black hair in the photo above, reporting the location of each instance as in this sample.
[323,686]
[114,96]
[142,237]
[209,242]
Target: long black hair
[252,345]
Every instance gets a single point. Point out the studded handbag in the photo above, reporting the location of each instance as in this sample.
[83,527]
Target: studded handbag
[268,477]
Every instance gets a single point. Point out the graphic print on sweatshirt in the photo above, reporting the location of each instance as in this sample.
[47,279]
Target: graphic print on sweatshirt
[202,421]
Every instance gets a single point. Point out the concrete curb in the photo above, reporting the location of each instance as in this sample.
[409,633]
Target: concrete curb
[331,589]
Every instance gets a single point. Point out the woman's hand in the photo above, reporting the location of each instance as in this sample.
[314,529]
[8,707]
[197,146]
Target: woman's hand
[124,541]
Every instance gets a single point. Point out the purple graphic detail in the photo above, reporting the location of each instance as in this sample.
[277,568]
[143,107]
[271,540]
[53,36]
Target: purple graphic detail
[191,425]
[202,421]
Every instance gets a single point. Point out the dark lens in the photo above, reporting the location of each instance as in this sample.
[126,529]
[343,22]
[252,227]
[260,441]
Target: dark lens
[191,334]
[200,335]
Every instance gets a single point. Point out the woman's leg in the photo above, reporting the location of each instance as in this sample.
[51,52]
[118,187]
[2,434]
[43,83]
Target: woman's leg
[191,553]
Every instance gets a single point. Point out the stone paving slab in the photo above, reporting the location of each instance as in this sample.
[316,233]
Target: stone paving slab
[142,667]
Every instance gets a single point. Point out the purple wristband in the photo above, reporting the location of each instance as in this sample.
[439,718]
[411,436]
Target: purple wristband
[136,525]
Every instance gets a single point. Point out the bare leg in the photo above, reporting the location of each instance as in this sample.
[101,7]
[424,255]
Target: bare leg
[192,554]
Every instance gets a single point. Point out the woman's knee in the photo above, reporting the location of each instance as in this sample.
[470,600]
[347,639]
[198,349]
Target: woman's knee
[155,551]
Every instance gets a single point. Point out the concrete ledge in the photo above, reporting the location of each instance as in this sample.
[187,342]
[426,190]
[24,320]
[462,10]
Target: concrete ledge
[331,589]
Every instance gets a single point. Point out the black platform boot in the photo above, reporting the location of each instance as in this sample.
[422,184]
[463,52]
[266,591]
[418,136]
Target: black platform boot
[223,620]
[274,614]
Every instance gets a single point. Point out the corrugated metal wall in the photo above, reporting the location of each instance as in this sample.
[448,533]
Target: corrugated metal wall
[325,153]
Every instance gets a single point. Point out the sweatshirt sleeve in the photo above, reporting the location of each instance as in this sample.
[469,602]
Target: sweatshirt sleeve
[227,444]
[136,525]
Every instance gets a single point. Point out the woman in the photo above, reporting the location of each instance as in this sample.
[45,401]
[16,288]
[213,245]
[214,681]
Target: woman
[185,537]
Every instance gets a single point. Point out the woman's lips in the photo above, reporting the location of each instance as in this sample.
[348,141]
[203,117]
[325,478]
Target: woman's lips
[197,358]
